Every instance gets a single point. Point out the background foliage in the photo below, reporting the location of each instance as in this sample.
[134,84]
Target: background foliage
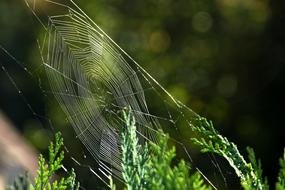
[223,58]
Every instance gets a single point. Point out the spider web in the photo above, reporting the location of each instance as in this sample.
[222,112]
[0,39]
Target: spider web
[93,80]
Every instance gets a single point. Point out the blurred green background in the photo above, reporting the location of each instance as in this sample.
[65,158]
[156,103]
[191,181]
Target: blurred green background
[223,58]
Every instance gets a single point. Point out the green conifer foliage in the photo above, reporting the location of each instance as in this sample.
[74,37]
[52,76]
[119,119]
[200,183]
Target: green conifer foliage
[150,167]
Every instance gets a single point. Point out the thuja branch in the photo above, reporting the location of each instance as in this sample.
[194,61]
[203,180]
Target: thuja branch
[280,184]
[210,140]
[150,167]
[46,172]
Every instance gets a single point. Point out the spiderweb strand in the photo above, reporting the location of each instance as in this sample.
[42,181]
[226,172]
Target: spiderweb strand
[93,79]
[82,62]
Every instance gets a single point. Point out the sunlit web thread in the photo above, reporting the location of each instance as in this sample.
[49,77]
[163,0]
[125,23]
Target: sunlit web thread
[75,47]
[83,57]
[42,120]
[83,61]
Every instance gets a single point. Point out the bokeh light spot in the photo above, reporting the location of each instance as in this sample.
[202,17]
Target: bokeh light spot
[159,41]
[227,85]
[202,21]
[36,134]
